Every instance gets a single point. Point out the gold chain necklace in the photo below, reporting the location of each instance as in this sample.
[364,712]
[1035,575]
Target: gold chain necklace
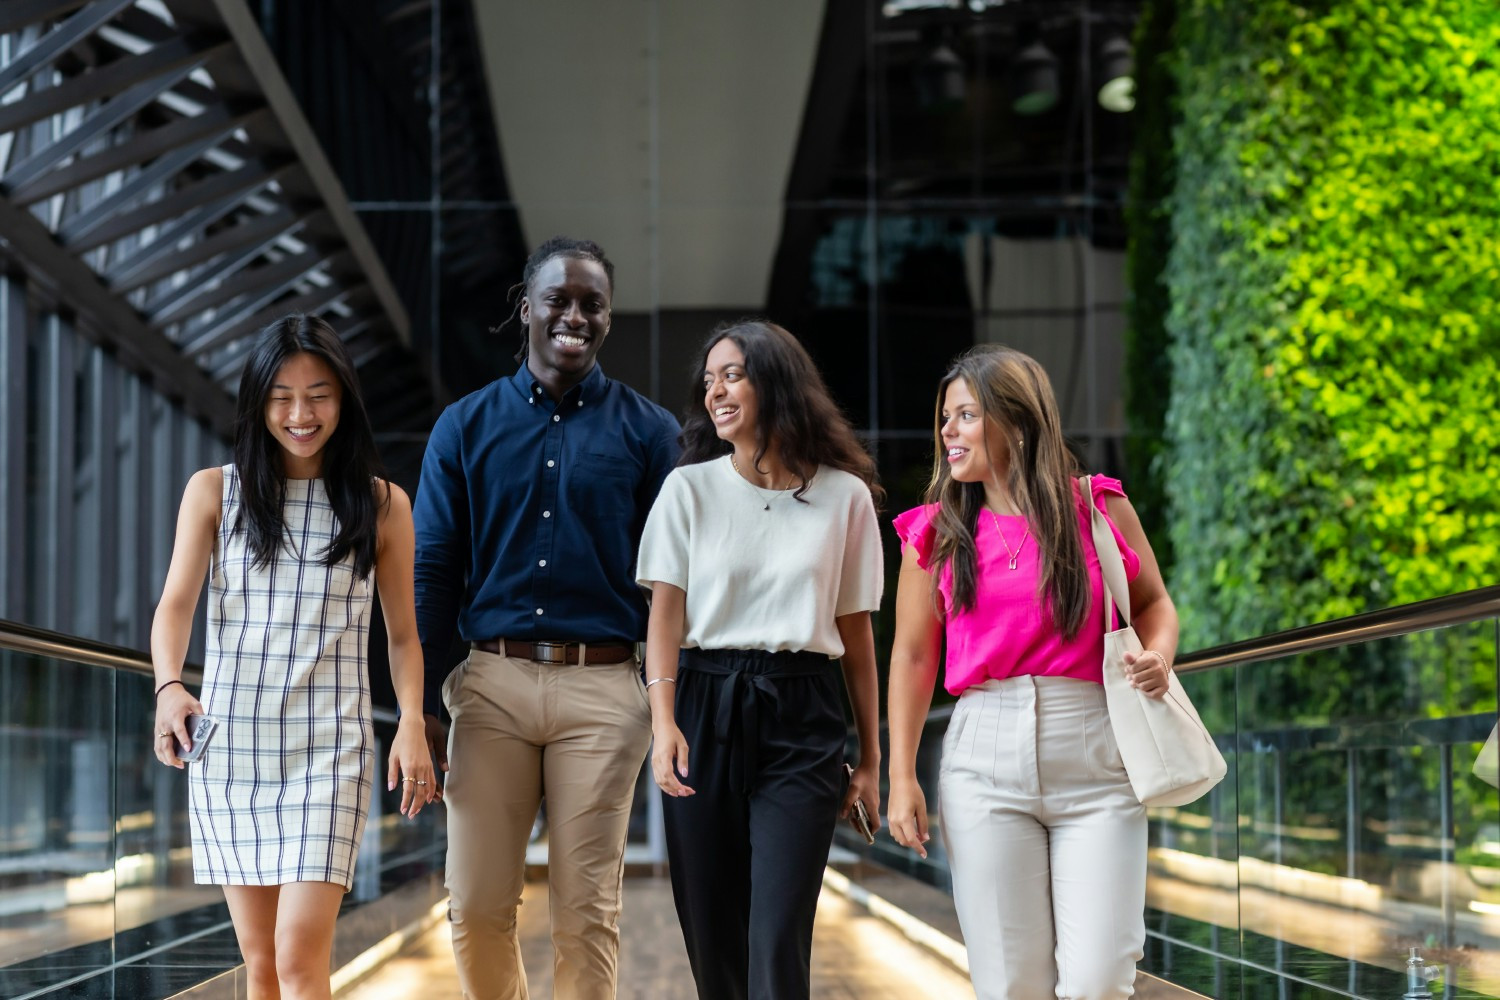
[765,504]
[1015,554]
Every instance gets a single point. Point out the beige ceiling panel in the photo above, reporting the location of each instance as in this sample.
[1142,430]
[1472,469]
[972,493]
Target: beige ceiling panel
[697,187]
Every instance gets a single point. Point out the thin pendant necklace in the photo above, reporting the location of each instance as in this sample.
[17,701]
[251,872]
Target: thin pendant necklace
[1015,554]
[765,503]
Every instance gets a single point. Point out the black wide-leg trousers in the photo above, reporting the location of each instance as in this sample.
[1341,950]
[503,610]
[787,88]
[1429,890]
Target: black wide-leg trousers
[765,734]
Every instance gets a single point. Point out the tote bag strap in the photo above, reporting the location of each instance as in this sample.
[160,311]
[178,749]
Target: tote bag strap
[1110,561]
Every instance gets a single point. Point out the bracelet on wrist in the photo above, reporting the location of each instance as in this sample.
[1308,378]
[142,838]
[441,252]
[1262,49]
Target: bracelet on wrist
[166,685]
[660,680]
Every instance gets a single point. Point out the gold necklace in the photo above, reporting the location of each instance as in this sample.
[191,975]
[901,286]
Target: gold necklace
[765,503]
[1015,554]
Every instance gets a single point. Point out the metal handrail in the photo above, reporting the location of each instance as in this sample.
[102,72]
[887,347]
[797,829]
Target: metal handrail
[44,642]
[1454,609]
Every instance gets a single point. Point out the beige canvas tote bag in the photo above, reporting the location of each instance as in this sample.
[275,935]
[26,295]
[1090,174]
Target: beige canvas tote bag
[1169,755]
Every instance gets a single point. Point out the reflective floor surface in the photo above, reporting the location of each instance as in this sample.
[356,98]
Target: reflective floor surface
[854,956]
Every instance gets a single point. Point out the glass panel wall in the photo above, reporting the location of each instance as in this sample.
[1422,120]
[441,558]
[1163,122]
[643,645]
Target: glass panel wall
[96,881]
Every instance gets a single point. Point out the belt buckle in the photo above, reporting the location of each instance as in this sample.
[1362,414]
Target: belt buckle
[552,653]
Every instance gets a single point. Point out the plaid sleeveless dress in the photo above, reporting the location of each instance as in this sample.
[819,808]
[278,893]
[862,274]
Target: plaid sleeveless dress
[283,790]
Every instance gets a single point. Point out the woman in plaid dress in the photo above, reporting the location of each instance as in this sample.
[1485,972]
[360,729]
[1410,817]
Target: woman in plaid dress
[289,535]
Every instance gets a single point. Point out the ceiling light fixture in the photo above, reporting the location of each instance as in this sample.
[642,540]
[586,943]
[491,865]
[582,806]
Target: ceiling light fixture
[939,78]
[1036,84]
[1117,76]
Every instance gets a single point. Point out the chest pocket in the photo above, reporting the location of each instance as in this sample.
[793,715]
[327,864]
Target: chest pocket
[604,486]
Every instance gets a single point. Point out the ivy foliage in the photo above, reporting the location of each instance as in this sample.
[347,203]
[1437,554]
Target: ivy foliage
[1331,441]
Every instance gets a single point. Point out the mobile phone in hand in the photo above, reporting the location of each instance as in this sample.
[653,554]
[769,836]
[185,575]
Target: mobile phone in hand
[200,729]
[859,816]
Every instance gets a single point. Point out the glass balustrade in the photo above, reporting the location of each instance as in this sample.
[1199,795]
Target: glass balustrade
[96,882]
[1359,820]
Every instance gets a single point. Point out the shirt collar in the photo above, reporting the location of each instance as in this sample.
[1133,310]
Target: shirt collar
[590,390]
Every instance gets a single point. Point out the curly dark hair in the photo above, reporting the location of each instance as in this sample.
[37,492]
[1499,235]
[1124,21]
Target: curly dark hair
[796,410]
[557,246]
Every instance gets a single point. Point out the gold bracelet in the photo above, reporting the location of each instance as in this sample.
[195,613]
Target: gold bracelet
[670,680]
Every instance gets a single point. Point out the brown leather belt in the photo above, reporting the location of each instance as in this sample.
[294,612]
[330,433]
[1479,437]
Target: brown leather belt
[561,653]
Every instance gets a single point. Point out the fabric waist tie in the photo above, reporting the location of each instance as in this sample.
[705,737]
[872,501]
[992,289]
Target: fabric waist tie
[749,677]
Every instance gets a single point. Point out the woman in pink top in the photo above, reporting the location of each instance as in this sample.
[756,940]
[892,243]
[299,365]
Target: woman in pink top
[1046,841]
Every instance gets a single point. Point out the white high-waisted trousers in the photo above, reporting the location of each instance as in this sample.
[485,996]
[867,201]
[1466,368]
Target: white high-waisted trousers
[1046,840]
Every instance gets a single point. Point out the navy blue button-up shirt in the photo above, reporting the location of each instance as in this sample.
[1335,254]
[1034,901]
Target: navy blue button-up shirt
[529,515]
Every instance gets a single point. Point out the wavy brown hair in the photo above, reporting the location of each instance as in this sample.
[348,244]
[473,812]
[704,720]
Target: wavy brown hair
[797,412]
[1016,399]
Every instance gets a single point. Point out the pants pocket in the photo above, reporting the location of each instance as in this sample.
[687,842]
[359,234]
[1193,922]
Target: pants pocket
[1104,758]
[953,735]
[452,684]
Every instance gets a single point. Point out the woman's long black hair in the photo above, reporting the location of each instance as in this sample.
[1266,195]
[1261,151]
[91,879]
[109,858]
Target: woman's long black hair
[350,461]
[796,410]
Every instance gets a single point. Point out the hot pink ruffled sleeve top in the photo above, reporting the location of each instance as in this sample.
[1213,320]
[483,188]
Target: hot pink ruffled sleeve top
[1009,632]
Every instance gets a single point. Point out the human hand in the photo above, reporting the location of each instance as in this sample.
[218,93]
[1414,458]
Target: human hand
[908,814]
[411,764]
[437,740]
[669,759]
[864,784]
[174,704]
[1148,673]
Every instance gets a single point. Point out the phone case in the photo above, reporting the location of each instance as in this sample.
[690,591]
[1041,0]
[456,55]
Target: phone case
[200,730]
[861,818]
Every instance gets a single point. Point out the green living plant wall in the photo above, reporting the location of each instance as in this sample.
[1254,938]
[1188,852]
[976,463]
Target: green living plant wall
[1332,437]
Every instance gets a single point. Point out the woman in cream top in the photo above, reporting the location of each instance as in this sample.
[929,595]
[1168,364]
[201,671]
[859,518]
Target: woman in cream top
[762,555]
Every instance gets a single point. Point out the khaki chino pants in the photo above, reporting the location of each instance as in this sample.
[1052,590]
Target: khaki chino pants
[522,730]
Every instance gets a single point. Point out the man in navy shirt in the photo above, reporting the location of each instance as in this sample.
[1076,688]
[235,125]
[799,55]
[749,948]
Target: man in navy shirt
[533,495]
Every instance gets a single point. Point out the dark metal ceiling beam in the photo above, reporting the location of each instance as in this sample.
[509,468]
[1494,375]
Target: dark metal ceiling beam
[258,285]
[168,237]
[217,122]
[110,79]
[140,348]
[59,40]
[16,14]
[142,183]
[257,70]
[94,126]
[254,233]
[312,302]
[234,185]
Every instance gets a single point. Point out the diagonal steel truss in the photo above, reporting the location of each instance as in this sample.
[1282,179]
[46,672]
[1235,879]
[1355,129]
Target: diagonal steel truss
[159,181]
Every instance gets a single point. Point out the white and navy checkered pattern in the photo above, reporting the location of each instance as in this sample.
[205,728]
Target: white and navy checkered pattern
[282,793]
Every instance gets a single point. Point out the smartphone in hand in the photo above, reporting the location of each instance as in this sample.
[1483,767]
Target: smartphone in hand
[859,816]
[200,729]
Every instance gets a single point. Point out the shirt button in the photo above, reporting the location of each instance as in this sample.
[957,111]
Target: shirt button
[538,610]
[542,562]
[550,463]
[546,513]
[555,418]
[580,402]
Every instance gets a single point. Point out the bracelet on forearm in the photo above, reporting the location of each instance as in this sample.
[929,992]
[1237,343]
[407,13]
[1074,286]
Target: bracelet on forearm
[167,685]
[669,680]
